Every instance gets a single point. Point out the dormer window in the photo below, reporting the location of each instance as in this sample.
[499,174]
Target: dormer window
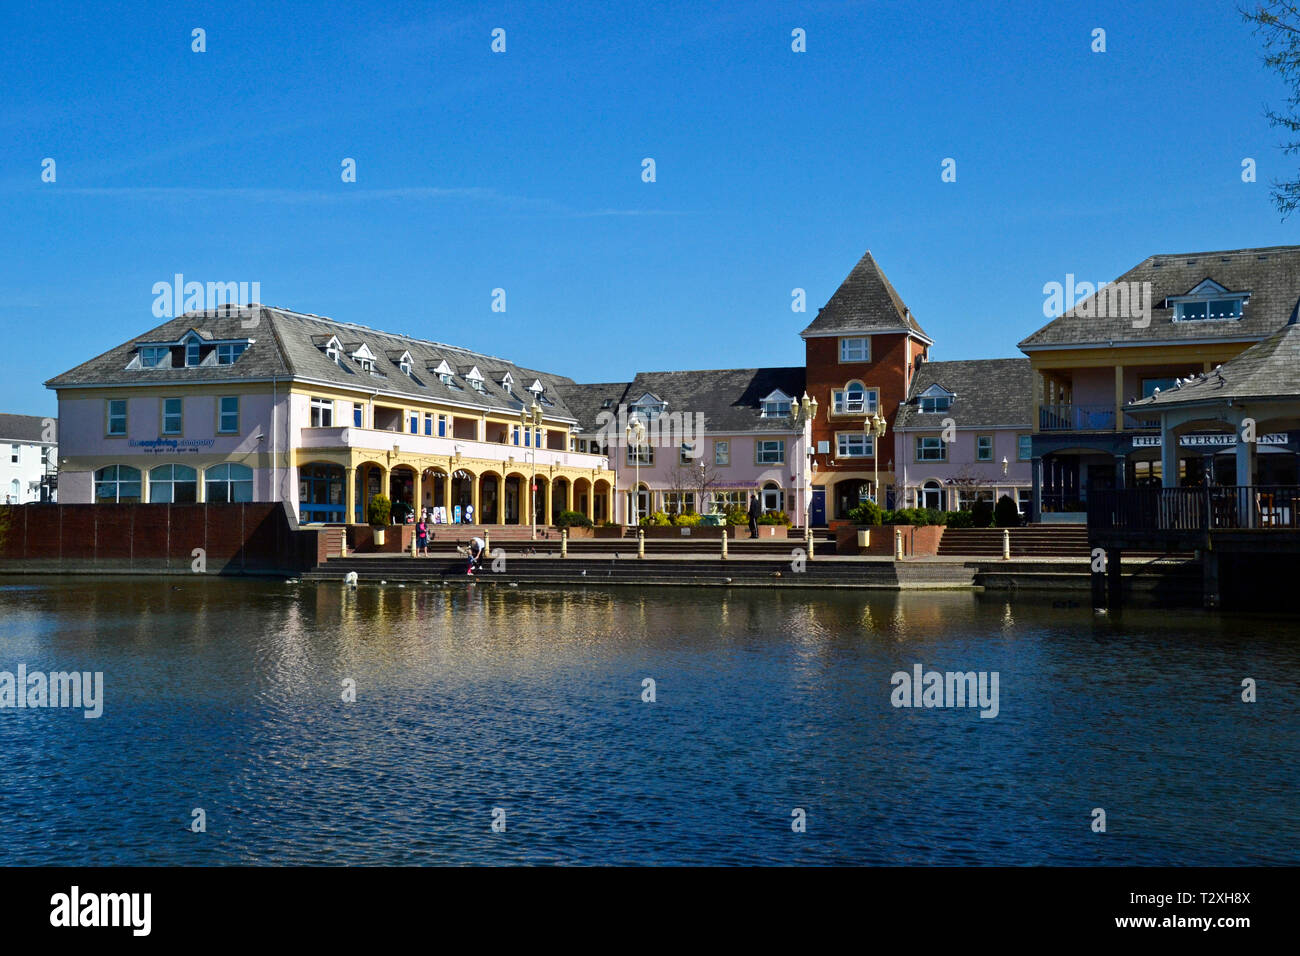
[152,356]
[228,352]
[192,353]
[363,357]
[1209,301]
[648,408]
[332,353]
[405,366]
[934,399]
[776,405]
[475,378]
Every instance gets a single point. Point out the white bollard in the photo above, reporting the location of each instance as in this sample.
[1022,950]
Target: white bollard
[564,542]
[724,542]
[898,544]
[808,541]
[1006,545]
[640,542]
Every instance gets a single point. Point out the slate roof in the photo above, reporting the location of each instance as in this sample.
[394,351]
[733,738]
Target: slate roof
[1267,369]
[22,428]
[989,392]
[865,302]
[1271,275]
[729,398]
[290,344]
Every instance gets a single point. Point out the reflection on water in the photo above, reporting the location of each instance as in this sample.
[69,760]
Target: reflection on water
[227,695]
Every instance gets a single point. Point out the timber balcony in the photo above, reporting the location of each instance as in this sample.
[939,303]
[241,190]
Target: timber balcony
[381,440]
[1086,418]
[1196,510]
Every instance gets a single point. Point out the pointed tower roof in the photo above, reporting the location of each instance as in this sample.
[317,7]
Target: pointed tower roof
[865,302]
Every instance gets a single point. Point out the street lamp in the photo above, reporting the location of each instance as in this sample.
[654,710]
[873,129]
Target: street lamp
[875,426]
[802,414]
[1005,465]
[531,418]
[635,435]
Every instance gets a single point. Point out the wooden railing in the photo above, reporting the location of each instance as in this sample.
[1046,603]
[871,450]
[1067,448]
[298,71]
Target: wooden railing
[1196,509]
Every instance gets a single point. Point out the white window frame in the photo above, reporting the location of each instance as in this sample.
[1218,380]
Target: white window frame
[867,405]
[198,353]
[322,413]
[764,455]
[222,415]
[228,353]
[722,453]
[178,415]
[157,352]
[924,443]
[842,440]
[849,354]
[111,417]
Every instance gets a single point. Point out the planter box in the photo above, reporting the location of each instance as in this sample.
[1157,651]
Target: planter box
[917,541]
[397,538]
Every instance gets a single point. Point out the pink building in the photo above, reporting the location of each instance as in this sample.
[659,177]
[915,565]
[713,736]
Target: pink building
[965,432]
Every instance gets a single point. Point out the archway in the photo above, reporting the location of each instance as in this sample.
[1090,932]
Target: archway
[850,493]
[402,492]
[559,498]
[369,481]
[931,495]
[462,494]
[603,501]
[491,492]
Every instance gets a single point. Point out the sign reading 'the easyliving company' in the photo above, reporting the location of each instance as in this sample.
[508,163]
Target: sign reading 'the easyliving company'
[1210,441]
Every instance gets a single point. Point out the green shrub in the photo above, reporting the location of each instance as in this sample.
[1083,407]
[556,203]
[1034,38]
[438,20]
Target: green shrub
[380,510]
[738,516]
[775,517]
[656,519]
[686,520]
[960,519]
[1005,513]
[981,513]
[573,519]
[918,517]
[866,513]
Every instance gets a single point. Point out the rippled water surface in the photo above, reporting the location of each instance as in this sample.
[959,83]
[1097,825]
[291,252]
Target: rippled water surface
[227,695]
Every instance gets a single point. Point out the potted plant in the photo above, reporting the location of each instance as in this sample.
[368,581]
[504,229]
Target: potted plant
[380,508]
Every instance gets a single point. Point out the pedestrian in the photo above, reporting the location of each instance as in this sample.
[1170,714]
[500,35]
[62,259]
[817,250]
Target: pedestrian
[422,537]
[475,553]
[754,512]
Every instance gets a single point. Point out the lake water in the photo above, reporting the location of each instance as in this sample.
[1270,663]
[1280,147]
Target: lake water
[226,695]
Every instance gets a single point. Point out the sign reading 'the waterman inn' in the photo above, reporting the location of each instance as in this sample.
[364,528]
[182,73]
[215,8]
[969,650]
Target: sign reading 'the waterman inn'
[1211,441]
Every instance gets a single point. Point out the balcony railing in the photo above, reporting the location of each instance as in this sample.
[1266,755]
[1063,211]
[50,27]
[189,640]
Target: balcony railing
[1227,507]
[382,440]
[1087,418]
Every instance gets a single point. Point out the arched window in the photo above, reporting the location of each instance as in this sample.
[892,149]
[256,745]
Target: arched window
[228,483]
[177,484]
[320,492]
[117,484]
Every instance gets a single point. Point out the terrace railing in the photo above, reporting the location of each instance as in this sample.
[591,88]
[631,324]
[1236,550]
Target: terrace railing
[1227,507]
[1089,418]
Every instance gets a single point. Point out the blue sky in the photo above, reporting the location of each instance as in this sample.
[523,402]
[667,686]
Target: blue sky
[522,170]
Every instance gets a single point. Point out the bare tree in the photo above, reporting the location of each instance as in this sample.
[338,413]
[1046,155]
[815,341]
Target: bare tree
[1277,22]
[697,476]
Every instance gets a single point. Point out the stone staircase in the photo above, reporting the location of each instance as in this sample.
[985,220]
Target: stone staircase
[1033,541]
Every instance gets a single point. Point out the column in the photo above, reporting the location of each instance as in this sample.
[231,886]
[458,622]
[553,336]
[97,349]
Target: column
[1245,478]
[501,498]
[349,495]
[525,501]
[199,496]
[1119,398]
[1120,462]
[550,485]
[476,498]
[591,499]
[446,493]
[1168,454]
[1036,494]
[568,495]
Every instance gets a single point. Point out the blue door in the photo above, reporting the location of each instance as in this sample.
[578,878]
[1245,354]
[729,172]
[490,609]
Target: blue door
[817,511]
